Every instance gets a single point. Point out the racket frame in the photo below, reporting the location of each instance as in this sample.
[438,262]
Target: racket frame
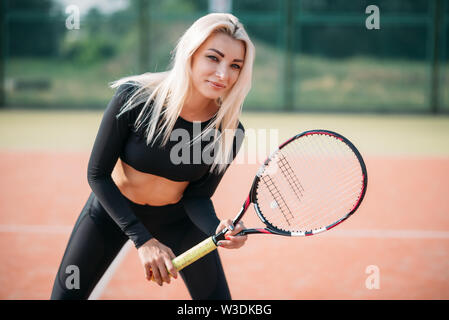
[270,229]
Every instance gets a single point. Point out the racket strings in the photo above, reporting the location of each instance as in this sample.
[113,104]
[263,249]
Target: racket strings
[318,179]
[291,177]
[349,172]
[320,204]
[328,205]
[345,180]
[277,196]
[331,204]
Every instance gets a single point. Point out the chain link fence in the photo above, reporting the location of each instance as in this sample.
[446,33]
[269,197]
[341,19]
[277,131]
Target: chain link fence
[314,56]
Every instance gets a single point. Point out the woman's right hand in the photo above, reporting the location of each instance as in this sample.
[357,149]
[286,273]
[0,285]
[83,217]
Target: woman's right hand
[156,259]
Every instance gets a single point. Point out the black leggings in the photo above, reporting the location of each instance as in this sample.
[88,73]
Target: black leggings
[96,240]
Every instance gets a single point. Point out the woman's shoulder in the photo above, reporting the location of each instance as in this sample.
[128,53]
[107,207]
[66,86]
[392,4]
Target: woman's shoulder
[241,126]
[129,110]
[126,89]
[239,135]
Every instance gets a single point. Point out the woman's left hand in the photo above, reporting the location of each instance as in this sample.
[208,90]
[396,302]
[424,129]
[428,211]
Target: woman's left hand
[232,241]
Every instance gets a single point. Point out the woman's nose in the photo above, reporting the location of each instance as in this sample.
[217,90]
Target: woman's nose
[220,73]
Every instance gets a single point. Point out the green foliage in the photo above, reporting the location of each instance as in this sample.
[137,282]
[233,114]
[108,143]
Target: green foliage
[336,65]
[34,27]
[88,50]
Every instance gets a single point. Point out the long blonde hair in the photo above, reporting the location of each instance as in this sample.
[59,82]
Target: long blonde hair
[164,93]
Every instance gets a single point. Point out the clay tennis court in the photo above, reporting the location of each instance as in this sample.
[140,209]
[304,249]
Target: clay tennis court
[401,229]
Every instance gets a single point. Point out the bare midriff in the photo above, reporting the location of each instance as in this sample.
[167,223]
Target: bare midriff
[145,188]
[150,189]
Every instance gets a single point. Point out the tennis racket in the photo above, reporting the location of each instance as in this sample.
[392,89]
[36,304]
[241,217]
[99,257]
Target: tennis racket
[311,183]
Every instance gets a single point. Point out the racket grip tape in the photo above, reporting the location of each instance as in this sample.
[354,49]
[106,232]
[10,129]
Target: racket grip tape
[193,254]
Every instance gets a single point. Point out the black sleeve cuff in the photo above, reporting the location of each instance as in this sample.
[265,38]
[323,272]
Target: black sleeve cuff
[138,234]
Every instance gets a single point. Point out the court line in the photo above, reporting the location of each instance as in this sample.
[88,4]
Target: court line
[40,229]
[382,234]
[107,276]
[337,233]
[66,230]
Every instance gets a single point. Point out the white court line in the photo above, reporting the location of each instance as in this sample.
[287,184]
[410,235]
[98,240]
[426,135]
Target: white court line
[107,276]
[41,229]
[337,233]
[404,234]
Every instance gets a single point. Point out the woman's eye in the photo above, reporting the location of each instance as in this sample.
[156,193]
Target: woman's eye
[214,58]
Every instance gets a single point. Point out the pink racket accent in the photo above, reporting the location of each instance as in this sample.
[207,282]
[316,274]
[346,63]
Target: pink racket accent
[323,132]
[247,203]
[360,197]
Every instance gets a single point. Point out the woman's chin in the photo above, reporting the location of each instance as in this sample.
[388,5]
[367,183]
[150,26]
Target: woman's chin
[210,96]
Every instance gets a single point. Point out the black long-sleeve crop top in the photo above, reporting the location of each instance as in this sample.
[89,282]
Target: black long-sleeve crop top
[116,138]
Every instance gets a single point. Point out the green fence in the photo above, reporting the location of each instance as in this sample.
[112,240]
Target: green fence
[311,55]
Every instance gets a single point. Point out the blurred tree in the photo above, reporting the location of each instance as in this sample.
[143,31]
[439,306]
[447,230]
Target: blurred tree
[95,42]
[93,21]
[35,27]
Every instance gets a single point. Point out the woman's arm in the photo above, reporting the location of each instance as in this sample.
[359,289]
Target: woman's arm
[202,213]
[110,139]
[197,196]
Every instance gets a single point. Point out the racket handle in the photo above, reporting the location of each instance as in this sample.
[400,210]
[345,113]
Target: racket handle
[193,254]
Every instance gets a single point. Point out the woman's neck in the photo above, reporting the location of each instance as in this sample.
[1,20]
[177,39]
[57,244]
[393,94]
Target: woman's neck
[197,106]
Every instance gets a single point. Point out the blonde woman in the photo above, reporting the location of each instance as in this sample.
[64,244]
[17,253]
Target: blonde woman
[152,186]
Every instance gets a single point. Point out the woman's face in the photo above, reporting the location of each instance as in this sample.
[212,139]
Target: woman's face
[216,65]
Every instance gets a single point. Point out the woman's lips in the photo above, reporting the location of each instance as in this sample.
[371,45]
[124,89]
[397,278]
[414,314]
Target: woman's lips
[216,85]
